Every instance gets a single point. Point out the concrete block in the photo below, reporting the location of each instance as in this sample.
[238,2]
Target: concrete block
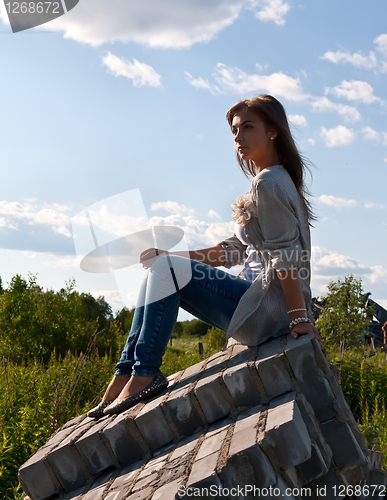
[241,386]
[153,426]
[327,487]
[286,428]
[313,468]
[67,463]
[218,426]
[125,440]
[203,473]
[218,359]
[139,495]
[73,495]
[34,476]
[241,356]
[153,466]
[148,481]
[345,448]
[127,475]
[247,463]
[271,347]
[378,478]
[35,479]
[376,459]
[211,445]
[184,411]
[185,447]
[190,375]
[209,393]
[173,473]
[93,451]
[117,494]
[95,493]
[274,375]
[310,378]
[169,491]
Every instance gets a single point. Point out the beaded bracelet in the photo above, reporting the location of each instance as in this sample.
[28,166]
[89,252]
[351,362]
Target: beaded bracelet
[295,310]
[297,321]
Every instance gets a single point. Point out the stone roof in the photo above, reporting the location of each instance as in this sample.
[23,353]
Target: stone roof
[270,417]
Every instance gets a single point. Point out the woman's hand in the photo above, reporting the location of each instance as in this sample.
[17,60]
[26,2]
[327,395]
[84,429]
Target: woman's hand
[304,329]
[147,257]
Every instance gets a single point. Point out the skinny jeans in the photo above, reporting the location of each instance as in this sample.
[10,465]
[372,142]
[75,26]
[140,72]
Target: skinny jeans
[208,293]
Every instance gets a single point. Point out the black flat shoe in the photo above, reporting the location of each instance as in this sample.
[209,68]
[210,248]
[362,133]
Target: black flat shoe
[158,384]
[97,412]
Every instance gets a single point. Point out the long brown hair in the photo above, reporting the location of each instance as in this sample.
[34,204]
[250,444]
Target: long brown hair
[273,115]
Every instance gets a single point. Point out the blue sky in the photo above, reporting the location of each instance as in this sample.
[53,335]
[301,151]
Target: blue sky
[116,96]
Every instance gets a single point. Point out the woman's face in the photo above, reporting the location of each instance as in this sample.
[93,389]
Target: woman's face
[252,140]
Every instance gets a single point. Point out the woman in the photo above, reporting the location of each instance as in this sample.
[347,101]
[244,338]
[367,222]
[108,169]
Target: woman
[271,239]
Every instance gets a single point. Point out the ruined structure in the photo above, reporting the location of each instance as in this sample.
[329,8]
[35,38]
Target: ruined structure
[258,422]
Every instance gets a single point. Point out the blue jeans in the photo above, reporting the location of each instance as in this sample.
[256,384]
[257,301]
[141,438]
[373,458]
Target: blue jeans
[211,295]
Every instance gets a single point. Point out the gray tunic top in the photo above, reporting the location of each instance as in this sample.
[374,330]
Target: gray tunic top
[280,233]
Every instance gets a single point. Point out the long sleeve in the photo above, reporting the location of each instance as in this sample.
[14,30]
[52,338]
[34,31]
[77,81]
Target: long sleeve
[234,250]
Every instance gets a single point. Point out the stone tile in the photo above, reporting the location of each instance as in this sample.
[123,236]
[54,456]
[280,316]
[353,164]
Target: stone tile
[241,386]
[184,412]
[211,445]
[153,426]
[345,448]
[93,451]
[287,429]
[122,436]
[211,398]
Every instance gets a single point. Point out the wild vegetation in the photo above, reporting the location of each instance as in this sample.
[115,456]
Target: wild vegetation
[58,350]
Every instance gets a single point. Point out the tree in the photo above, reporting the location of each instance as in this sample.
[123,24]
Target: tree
[343,317]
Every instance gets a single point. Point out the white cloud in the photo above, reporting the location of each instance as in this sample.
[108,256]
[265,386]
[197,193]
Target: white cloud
[312,141]
[140,73]
[197,233]
[329,265]
[384,134]
[359,60]
[273,10]
[379,206]
[355,90]
[168,24]
[349,113]
[370,134]
[299,120]
[201,83]
[385,159]
[236,81]
[381,44]
[214,215]
[334,201]
[12,214]
[172,207]
[356,59]
[339,136]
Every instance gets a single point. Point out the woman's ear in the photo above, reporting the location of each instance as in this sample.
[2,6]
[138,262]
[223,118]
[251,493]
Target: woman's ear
[271,133]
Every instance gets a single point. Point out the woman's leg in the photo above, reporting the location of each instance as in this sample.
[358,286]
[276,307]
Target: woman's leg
[208,293]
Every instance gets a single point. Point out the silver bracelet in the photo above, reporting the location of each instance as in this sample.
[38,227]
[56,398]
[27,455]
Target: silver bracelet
[295,310]
[295,322]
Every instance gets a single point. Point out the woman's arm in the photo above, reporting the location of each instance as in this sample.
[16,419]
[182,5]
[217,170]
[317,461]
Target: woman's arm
[213,256]
[291,287]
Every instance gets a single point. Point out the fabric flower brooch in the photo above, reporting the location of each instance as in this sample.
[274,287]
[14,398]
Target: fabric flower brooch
[243,209]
